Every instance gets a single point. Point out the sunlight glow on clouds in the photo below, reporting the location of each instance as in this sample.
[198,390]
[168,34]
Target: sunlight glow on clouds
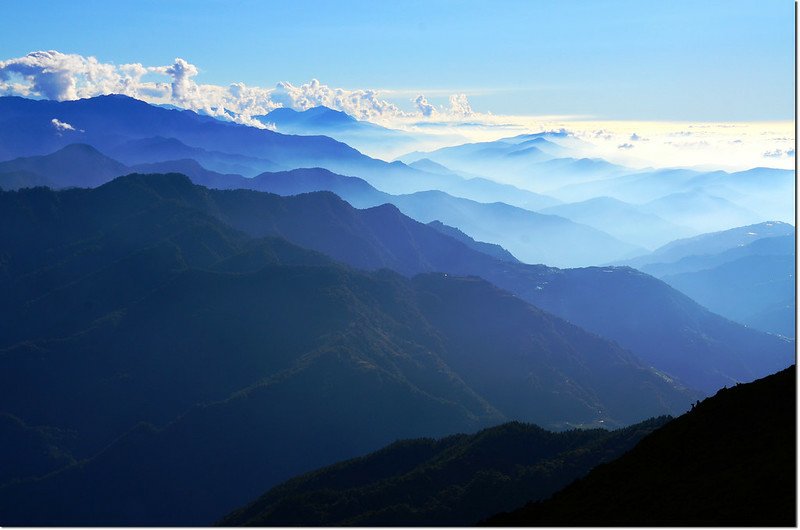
[58,76]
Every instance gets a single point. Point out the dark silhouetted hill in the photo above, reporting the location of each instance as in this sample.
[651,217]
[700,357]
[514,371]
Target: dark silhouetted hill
[452,481]
[731,461]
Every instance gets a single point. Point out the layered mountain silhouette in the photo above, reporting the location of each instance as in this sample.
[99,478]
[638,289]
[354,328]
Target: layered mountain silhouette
[731,461]
[765,193]
[365,136]
[76,165]
[533,237]
[745,274]
[708,244]
[453,481]
[663,327]
[196,311]
[702,211]
[658,324]
[143,301]
[622,220]
[538,162]
[560,166]
[490,249]
[485,190]
[136,132]
[757,290]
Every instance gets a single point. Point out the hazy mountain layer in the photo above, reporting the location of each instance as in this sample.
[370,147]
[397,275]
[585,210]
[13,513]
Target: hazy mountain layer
[667,331]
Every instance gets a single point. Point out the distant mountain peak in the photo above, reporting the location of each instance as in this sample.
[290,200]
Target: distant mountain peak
[320,115]
[79,148]
[327,111]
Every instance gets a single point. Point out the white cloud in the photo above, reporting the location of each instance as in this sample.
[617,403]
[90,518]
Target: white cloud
[625,146]
[184,90]
[425,109]
[61,125]
[50,73]
[459,105]
[444,121]
[362,104]
[55,75]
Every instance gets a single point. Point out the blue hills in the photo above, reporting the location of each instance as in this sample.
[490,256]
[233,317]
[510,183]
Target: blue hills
[163,302]
[193,305]
[531,236]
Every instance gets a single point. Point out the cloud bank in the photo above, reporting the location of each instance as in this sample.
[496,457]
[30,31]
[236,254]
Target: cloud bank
[59,76]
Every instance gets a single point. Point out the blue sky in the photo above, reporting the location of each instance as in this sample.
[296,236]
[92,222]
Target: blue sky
[638,60]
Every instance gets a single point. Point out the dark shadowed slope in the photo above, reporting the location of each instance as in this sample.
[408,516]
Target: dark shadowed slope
[731,461]
[137,304]
[453,481]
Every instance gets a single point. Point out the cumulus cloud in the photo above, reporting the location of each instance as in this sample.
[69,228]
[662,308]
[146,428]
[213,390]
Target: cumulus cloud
[49,73]
[459,105]
[61,125]
[182,72]
[362,104]
[425,109]
[625,146]
[58,76]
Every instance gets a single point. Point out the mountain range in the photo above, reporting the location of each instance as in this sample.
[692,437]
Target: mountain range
[671,333]
[746,274]
[509,226]
[197,311]
[163,338]
[365,136]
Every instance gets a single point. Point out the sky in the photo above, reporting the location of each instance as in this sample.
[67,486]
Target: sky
[393,63]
